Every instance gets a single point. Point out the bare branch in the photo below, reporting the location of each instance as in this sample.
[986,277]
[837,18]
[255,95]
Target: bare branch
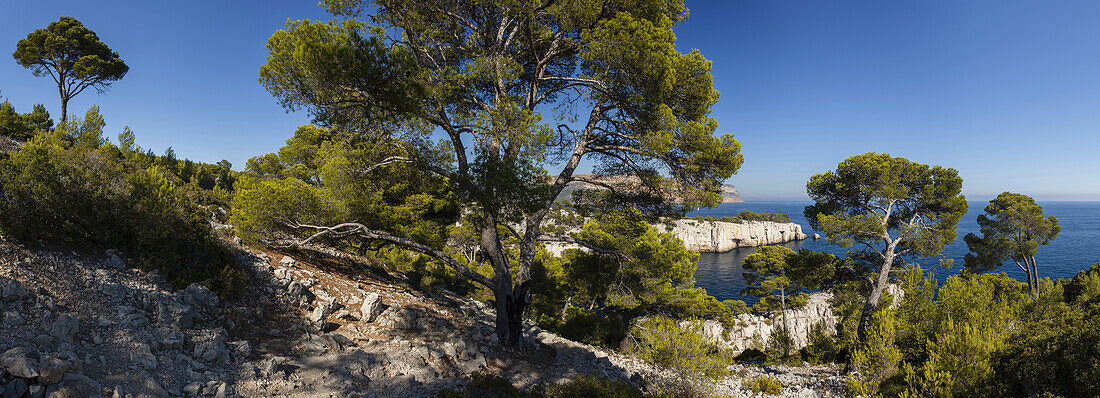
[355,229]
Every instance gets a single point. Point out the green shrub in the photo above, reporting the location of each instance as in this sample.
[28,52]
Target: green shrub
[482,384]
[77,190]
[592,327]
[877,359]
[593,387]
[747,216]
[764,384]
[663,341]
[822,347]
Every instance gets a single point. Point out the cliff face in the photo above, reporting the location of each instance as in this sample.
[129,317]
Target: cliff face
[755,331]
[720,236]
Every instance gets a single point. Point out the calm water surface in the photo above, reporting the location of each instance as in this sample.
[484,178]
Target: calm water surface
[1077,246]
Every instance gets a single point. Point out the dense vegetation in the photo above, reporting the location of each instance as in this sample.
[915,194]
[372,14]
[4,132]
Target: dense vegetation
[73,186]
[748,216]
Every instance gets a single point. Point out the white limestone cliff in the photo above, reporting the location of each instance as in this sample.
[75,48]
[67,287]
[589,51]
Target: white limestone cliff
[721,236]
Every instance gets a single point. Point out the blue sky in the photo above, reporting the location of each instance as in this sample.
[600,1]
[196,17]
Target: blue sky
[1007,92]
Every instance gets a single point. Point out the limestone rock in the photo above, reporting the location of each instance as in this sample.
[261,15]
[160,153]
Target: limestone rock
[721,236]
[20,362]
[51,370]
[11,289]
[202,296]
[65,327]
[372,306]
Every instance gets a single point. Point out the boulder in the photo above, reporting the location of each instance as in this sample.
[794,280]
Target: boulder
[52,370]
[114,261]
[20,362]
[65,327]
[144,356]
[202,296]
[287,261]
[14,389]
[372,306]
[11,289]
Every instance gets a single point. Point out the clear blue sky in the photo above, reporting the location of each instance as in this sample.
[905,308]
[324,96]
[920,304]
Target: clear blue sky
[1006,92]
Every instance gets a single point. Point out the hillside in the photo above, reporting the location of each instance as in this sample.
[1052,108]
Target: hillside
[81,324]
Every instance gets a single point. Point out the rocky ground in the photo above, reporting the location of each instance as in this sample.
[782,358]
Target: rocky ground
[315,325]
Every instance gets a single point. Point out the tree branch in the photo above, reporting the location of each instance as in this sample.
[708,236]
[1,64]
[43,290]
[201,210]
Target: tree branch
[355,229]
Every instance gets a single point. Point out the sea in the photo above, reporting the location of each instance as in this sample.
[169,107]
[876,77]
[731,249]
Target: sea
[1076,248]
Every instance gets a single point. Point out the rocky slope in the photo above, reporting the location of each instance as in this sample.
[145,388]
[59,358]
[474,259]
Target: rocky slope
[319,324]
[721,236]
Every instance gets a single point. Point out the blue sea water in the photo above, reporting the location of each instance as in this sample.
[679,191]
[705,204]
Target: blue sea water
[1077,246]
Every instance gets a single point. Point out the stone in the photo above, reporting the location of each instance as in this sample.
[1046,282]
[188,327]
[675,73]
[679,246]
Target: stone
[114,261]
[65,327]
[193,389]
[297,292]
[20,362]
[242,347]
[202,296]
[372,306]
[52,370]
[113,290]
[144,356]
[287,261]
[13,319]
[817,236]
[36,391]
[11,289]
[14,389]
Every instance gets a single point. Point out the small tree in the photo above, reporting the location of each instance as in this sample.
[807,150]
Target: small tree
[776,271]
[73,56]
[1013,227]
[891,206]
[23,127]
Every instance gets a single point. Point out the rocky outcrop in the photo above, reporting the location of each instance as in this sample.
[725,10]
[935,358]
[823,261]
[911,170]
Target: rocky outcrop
[721,236]
[755,331]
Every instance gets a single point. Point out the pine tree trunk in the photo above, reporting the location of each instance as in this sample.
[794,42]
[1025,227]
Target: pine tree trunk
[64,110]
[511,303]
[786,326]
[876,293]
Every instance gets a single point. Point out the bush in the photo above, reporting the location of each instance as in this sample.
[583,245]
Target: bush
[85,193]
[592,327]
[1057,356]
[764,384]
[663,341]
[485,385]
[822,347]
[877,359]
[747,216]
[593,387]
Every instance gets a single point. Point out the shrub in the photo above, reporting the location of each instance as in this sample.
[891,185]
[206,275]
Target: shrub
[593,387]
[877,359]
[664,341]
[764,384]
[482,384]
[747,216]
[594,328]
[822,347]
[85,193]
